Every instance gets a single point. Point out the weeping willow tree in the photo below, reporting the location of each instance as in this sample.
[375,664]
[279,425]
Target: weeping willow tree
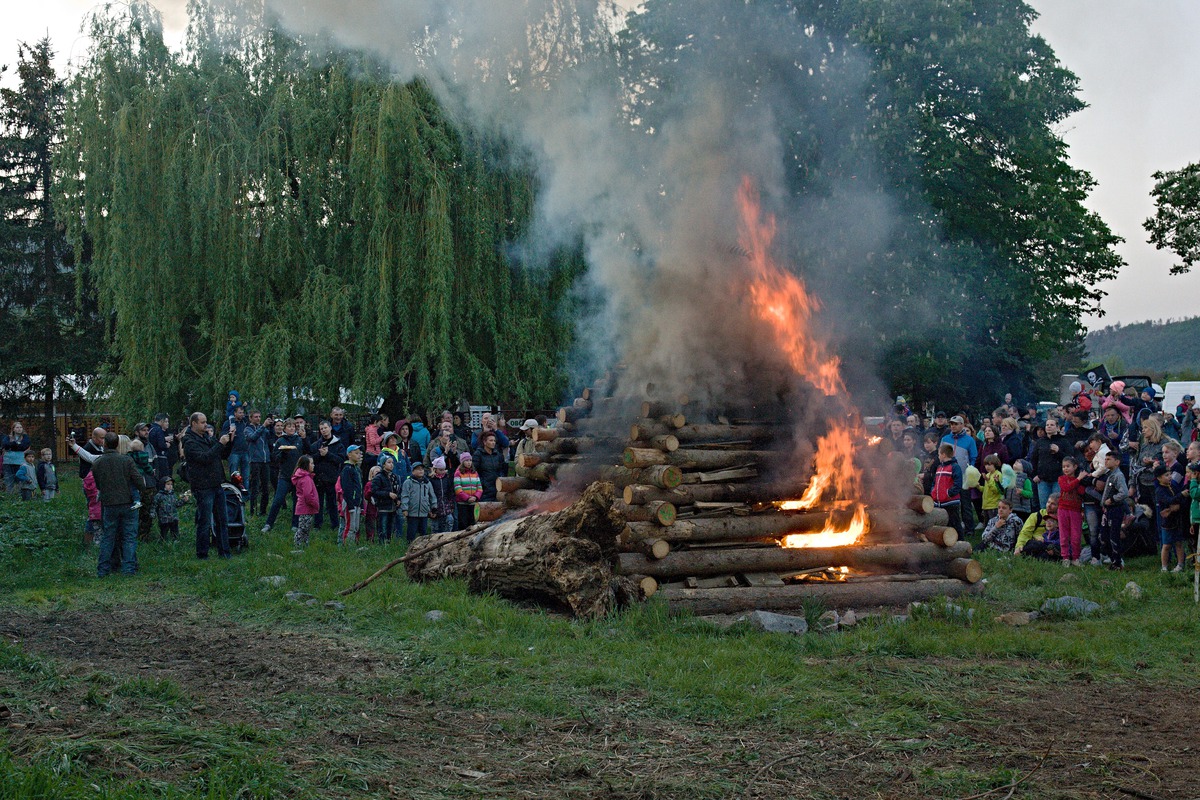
[279,217]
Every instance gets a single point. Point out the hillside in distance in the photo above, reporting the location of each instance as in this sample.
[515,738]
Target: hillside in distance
[1158,348]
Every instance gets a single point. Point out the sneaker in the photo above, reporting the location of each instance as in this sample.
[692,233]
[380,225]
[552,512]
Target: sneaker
[136,505]
[265,529]
[1066,562]
[1076,563]
[1178,568]
[1163,569]
[1095,562]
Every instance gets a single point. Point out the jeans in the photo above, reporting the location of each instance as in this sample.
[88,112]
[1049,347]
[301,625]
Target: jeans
[260,486]
[1091,515]
[120,531]
[443,524]
[283,488]
[210,519]
[327,494]
[387,526]
[1111,526]
[240,463]
[417,526]
[1044,491]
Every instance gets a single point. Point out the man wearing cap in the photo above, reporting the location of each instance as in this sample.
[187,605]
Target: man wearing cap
[525,446]
[940,426]
[966,452]
[352,495]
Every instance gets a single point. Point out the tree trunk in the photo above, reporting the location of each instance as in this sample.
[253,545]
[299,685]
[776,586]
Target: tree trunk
[797,597]
[638,457]
[688,434]
[664,477]
[680,564]
[562,558]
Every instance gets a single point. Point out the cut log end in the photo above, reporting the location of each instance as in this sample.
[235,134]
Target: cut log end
[921,503]
[944,537]
[965,569]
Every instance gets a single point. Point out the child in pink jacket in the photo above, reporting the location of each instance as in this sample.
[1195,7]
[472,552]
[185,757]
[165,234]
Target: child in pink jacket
[94,523]
[307,501]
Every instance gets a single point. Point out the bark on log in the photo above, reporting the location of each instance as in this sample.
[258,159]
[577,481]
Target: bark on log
[965,569]
[571,413]
[921,503]
[562,558]
[795,597]
[658,512]
[910,557]
[638,493]
[522,498]
[570,445]
[664,477]
[637,457]
[650,548]
[646,428]
[512,484]
[547,434]
[490,512]
[944,537]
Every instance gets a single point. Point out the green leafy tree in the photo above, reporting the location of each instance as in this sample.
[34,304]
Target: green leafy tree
[48,335]
[1175,225]
[939,119]
[281,218]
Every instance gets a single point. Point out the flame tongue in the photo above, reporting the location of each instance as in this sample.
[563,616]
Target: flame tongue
[781,302]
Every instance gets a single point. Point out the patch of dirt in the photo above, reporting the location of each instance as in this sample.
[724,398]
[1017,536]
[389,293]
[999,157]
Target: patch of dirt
[1101,738]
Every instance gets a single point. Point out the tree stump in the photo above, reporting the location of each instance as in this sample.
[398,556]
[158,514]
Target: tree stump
[562,559]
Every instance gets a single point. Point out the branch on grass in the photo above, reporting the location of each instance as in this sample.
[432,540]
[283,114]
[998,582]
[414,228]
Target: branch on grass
[471,531]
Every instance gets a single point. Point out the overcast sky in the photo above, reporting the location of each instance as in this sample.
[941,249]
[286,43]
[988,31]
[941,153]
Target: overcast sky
[1139,70]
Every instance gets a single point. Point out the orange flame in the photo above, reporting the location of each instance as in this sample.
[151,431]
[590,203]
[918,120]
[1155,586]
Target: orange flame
[779,299]
[830,536]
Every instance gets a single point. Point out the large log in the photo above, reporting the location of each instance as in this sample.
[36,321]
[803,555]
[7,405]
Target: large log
[637,457]
[906,557]
[512,484]
[570,445]
[658,512]
[662,476]
[572,413]
[638,493]
[576,473]
[921,503]
[562,559]
[800,596]
[489,511]
[646,428]
[522,498]
[965,569]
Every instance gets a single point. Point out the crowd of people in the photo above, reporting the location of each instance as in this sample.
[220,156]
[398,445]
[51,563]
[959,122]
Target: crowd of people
[387,482]
[1106,462]
[1101,465]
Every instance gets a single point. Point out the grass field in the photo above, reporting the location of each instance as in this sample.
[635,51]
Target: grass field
[197,679]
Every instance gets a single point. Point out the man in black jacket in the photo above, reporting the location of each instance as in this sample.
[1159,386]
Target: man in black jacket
[205,476]
[329,454]
[116,476]
[1047,456]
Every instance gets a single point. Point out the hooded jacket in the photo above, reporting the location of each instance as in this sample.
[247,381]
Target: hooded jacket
[307,501]
[420,437]
[258,443]
[417,498]
[382,487]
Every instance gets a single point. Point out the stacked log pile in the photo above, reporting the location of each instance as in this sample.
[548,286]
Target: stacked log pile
[693,520]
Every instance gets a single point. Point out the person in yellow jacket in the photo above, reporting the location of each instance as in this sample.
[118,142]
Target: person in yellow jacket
[1034,529]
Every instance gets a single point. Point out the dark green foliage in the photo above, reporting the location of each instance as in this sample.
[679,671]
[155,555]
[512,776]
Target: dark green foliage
[1175,225]
[275,217]
[931,126]
[47,333]
[1152,348]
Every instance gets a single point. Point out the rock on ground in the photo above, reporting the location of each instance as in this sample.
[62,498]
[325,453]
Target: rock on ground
[1070,606]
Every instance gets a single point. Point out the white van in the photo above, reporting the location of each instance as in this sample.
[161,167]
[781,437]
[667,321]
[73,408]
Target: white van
[1173,395]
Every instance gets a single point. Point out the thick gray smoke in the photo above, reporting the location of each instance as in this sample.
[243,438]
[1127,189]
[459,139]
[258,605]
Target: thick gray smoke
[650,186]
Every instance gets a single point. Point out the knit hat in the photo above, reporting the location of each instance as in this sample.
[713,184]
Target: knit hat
[1118,385]
[465,458]
[1160,470]
[439,463]
[1150,391]
[1194,466]
[418,465]
[1075,388]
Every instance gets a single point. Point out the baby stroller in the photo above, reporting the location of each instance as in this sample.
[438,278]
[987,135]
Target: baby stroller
[235,517]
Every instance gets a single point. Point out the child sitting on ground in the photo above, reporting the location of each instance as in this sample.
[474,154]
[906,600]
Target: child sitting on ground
[1002,530]
[47,478]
